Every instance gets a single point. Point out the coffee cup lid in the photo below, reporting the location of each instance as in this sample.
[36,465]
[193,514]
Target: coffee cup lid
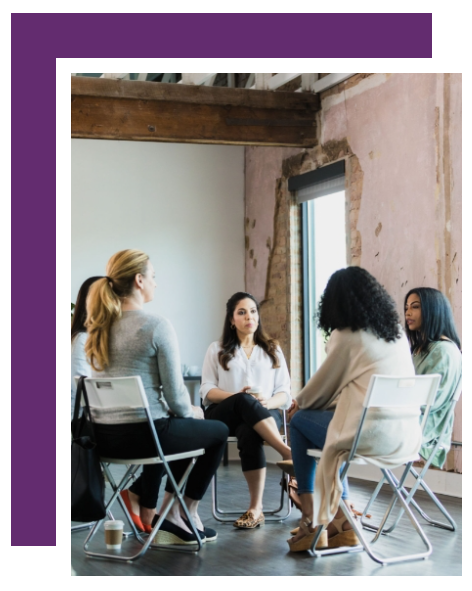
[115,524]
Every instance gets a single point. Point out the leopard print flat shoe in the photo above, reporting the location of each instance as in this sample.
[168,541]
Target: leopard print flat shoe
[249,521]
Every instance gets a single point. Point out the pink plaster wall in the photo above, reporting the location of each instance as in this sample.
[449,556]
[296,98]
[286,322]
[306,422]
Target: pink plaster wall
[395,125]
[405,129]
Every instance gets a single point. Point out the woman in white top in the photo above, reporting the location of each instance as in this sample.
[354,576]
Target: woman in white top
[79,365]
[244,381]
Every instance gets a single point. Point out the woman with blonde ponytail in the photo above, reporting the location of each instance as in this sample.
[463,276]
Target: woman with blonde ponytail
[123,340]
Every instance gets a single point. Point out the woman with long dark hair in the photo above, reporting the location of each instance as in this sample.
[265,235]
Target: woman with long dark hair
[245,381]
[435,348]
[124,340]
[359,318]
[79,365]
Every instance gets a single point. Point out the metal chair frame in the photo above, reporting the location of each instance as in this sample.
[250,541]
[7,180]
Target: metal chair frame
[83,526]
[130,392]
[419,481]
[272,515]
[76,528]
[385,391]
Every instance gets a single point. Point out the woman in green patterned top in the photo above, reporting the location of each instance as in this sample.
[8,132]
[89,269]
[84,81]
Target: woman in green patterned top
[436,348]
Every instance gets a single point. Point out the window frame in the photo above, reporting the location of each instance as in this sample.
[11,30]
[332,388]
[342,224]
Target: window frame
[314,177]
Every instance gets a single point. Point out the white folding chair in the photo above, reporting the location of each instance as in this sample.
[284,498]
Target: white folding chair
[383,392]
[113,394]
[419,481]
[272,515]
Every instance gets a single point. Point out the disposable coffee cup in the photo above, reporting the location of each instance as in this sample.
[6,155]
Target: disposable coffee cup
[113,534]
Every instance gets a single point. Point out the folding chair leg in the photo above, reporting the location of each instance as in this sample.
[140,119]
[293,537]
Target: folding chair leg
[81,527]
[409,497]
[399,485]
[365,544]
[452,524]
[179,488]
[273,515]
[408,500]
[369,504]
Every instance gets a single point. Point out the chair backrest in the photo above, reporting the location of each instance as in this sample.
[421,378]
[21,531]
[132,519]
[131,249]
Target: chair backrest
[116,393]
[398,391]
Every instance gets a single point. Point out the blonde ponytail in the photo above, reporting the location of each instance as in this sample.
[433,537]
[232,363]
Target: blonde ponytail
[104,302]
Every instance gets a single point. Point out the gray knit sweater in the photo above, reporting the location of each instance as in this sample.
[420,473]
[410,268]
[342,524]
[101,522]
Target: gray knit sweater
[146,345]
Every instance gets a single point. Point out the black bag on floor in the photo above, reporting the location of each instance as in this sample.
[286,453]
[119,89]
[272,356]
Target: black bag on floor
[88,484]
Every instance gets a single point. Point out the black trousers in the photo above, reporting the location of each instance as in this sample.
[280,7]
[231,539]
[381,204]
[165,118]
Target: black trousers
[241,412]
[134,440]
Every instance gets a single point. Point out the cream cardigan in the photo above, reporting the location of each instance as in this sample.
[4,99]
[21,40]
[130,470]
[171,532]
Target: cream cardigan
[389,437]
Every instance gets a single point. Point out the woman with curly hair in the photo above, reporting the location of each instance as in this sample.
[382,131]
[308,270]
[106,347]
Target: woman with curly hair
[365,338]
[436,348]
[246,360]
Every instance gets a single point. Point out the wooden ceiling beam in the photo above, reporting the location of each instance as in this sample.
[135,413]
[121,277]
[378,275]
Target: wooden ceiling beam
[151,111]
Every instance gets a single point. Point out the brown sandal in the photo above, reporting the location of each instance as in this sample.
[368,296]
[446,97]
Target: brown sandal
[248,521]
[342,537]
[306,542]
[356,513]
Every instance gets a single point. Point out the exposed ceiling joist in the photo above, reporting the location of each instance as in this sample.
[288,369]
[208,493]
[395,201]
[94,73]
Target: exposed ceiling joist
[262,81]
[116,76]
[211,80]
[150,111]
[329,81]
[308,80]
[250,80]
[196,79]
[280,79]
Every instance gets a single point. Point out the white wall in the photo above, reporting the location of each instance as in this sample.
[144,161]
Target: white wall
[183,205]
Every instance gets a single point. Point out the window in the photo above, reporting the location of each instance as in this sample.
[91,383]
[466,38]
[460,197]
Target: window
[323,208]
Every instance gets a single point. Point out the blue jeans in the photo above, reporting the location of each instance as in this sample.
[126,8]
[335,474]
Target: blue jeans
[308,429]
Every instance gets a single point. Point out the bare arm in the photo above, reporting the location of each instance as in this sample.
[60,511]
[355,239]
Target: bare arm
[276,401]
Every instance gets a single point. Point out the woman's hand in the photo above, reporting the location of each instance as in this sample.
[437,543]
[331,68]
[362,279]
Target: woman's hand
[267,403]
[293,409]
[197,412]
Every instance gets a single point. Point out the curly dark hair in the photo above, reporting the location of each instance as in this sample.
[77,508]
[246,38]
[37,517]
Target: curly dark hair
[230,341]
[354,299]
[437,320]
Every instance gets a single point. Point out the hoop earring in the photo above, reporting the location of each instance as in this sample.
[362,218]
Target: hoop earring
[233,327]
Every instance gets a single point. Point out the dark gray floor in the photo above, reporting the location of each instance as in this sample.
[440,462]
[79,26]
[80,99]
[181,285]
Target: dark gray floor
[264,551]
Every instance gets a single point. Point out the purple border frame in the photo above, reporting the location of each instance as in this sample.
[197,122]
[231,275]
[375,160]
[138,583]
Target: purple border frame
[37,40]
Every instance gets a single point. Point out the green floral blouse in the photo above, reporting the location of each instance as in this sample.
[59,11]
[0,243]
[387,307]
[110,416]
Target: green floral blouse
[445,358]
